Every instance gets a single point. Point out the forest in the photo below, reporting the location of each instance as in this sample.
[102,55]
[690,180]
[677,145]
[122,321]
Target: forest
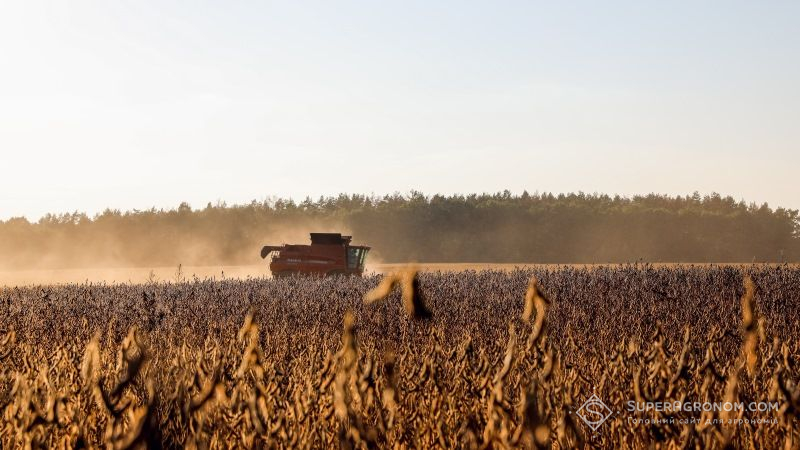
[499,227]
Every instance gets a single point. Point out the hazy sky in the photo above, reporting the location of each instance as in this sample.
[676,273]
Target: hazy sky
[149,103]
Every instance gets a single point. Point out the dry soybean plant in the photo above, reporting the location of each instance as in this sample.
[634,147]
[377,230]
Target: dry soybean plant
[479,360]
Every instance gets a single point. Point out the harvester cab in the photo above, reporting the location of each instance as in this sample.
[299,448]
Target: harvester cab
[328,254]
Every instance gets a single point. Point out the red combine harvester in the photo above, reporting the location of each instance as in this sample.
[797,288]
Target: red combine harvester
[328,254]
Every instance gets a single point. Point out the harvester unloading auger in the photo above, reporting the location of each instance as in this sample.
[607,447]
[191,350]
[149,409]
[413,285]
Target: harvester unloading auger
[328,254]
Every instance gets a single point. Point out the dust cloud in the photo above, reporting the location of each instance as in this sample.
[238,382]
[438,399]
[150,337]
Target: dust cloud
[124,251]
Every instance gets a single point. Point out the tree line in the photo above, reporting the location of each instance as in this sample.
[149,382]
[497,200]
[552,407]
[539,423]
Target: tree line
[499,227]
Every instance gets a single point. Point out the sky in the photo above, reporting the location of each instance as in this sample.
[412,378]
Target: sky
[138,104]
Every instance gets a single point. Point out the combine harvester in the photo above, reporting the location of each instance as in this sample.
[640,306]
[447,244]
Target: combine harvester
[328,254]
